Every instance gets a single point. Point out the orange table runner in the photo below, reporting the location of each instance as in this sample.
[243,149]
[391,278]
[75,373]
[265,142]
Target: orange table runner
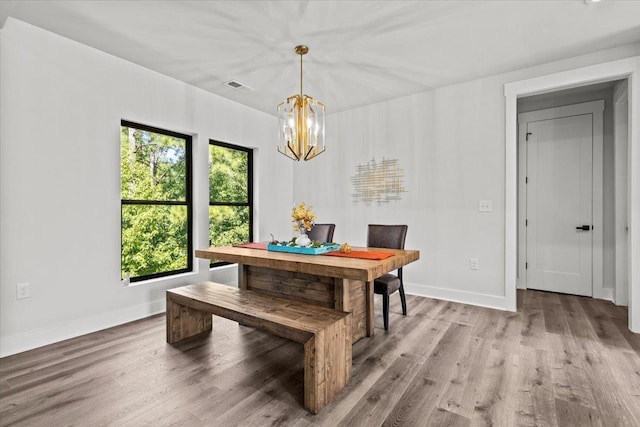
[362,254]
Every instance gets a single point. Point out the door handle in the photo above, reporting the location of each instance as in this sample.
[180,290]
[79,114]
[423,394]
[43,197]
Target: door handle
[584,227]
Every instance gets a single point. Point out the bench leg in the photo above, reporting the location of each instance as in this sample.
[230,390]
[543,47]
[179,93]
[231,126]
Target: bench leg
[327,364]
[185,322]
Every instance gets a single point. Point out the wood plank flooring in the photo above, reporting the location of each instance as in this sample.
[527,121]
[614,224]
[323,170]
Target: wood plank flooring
[559,361]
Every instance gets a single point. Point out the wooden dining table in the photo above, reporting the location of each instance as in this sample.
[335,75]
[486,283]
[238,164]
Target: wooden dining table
[340,282]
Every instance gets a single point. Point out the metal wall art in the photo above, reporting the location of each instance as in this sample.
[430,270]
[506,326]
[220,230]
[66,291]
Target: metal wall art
[378,182]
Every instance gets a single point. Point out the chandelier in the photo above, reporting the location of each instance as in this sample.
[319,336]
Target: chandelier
[301,123]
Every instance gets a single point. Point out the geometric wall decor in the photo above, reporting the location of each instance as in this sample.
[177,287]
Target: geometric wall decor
[378,182]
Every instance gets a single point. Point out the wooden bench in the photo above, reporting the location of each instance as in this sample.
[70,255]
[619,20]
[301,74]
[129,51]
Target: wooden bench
[325,332]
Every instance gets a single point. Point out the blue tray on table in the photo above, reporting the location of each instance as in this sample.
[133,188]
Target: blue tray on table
[303,250]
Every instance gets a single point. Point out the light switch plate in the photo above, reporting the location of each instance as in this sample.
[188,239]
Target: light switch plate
[485,206]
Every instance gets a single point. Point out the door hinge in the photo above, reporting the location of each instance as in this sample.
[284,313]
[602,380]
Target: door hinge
[527,136]
[526,265]
[526,179]
[526,222]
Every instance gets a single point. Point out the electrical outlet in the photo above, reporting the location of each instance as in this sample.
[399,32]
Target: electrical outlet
[473,263]
[23,290]
[485,206]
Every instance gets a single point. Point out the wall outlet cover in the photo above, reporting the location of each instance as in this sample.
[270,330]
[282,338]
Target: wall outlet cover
[23,290]
[485,206]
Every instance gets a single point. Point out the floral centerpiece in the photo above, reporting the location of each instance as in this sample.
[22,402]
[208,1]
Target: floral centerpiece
[303,220]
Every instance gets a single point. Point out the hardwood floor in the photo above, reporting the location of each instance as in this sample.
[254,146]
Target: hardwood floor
[560,361]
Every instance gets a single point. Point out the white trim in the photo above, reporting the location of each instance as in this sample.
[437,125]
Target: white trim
[564,111]
[625,68]
[597,252]
[633,254]
[522,204]
[621,195]
[463,297]
[510,205]
[595,108]
[18,343]
[227,275]
[605,294]
[162,279]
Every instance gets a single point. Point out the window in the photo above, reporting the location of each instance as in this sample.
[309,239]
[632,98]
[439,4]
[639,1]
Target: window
[230,194]
[155,192]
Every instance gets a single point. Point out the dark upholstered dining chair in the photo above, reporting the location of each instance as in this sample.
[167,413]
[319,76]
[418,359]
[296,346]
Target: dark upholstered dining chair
[392,237]
[322,232]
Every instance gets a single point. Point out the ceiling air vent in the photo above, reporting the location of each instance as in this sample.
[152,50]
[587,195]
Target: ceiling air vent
[238,86]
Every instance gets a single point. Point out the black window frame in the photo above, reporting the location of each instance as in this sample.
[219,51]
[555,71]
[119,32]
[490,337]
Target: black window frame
[249,202]
[188,200]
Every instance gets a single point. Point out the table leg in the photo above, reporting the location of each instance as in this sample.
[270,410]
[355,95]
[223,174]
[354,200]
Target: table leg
[242,276]
[370,311]
[185,322]
[342,295]
[348,295]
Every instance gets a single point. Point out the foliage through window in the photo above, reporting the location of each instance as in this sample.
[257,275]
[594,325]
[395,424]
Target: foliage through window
[230,194]
[155,189]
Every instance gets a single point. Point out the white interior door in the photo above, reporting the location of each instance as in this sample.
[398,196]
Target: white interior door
[559,193]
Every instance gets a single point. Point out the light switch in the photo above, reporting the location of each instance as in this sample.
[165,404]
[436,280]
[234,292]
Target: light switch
[486,206]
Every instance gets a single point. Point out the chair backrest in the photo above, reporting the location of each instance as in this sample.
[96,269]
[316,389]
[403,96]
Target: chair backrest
[386,236]
[322,232]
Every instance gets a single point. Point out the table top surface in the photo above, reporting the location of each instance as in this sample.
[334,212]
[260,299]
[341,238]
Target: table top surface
[321,265]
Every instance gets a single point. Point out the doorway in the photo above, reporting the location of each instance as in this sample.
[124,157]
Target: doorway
[560,223]
[629,69]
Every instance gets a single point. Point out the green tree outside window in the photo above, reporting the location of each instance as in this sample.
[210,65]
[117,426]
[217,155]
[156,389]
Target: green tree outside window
[155,188]
[230,194]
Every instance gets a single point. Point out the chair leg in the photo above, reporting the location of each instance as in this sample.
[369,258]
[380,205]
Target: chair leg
[403,299]
[385,310]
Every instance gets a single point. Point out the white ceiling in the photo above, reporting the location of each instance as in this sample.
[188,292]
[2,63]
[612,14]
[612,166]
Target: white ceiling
[361,52]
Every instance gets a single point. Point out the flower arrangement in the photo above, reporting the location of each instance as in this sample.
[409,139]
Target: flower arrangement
[302,217]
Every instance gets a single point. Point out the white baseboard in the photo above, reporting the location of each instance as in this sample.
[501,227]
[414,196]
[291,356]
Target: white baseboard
[464,297]
[18,343]
[603,293]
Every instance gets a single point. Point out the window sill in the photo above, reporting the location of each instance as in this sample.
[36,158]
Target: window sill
[223,267]
[161,279]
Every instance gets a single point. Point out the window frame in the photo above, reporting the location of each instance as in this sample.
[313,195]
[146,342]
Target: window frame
[188,202]
[249,202]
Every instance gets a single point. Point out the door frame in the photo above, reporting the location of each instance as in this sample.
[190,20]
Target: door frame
[628,68]
[595,108]
[621,195]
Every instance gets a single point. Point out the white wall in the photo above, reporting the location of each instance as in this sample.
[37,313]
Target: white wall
[451,143]
[60,108]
